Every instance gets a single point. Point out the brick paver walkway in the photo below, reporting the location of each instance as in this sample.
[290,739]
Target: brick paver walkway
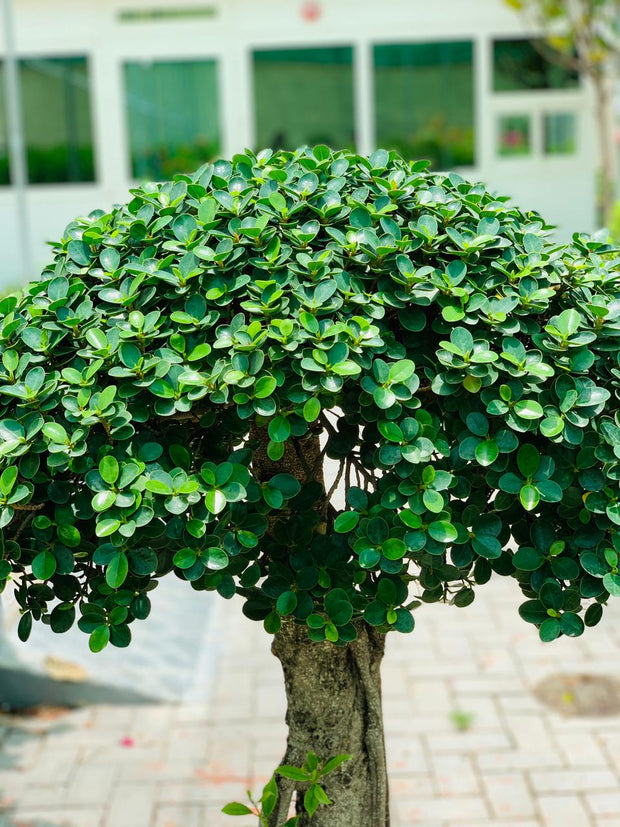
[518,764]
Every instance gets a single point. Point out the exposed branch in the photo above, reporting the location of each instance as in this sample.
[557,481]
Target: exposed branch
[336,482]
[327,425]
[37,507]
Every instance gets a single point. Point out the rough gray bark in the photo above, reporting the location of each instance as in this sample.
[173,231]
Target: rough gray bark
[334,707]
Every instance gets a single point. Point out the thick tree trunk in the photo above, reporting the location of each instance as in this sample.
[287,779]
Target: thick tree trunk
[334,707]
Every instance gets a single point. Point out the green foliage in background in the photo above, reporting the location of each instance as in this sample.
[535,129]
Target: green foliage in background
[584,36]
[582,32]
[461,369]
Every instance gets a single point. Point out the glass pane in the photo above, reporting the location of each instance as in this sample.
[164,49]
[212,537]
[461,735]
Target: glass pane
[560,133]
[172,116]
[304,96]
[57,125]
[519,66]
[424,101]
[514,135]
[4,134]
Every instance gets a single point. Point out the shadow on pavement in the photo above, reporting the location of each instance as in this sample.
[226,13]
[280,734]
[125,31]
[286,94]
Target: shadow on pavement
[21,689]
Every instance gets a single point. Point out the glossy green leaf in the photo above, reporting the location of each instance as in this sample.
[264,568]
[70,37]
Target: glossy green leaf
[215,501]
[443,531]
[117,570]
[235,809]
[529,497]
[103,500]
[99,639]
[44,565]
[346,522]
[528,409]
[528,460]
[264,387]
[487,452]
[279,429]
[312,409]
[55,432]
[109,469]
[394,549]
[612,584]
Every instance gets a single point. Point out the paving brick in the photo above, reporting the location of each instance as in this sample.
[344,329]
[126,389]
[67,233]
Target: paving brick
[529,732]
[492,822]
[604,805]
[131,806]
[471,741]
[563,811]
[454,775]
[580,749]
[430,697]
[411,786]
[452,810]
[92,784]
[181,816]
[54,765]
[57,817]
[508,760]
[405,754]
[36,795]
[509,795]
[558,781]
[485,685]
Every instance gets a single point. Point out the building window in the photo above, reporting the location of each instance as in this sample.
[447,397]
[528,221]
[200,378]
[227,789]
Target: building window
[172,116]
[519,66]
[424,101]
[514,135]
[4,134]
[304,96]
[560,133]
[55,97]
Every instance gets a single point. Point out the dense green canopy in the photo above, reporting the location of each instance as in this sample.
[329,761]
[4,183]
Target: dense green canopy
[460,368]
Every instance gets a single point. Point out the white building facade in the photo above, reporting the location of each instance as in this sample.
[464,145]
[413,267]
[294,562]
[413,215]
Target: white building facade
[118,91]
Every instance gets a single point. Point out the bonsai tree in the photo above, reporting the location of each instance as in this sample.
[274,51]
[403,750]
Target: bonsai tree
[175,382]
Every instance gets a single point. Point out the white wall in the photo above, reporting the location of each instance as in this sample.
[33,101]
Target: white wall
[561,188]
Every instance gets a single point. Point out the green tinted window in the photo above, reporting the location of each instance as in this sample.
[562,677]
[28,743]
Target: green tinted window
[4,134]
[57,123]
[518,66]
[172,116]
[514,135]
[560,133]
[304,96]
[424,101]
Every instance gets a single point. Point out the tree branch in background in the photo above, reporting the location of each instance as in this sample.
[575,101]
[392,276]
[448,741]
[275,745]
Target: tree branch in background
[583,36]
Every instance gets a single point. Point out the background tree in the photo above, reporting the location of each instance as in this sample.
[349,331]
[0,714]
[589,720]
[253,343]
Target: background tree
[172,387]
[583,35]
